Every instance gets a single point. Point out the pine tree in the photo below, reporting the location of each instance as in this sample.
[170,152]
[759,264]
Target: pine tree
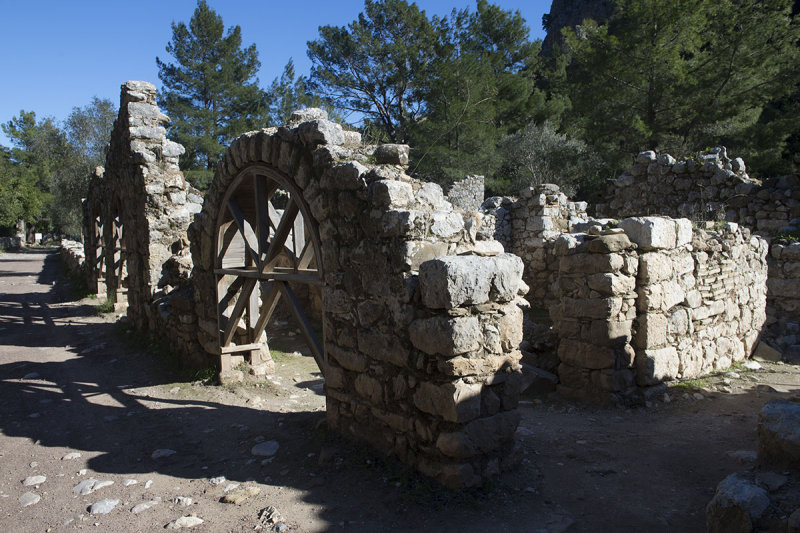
[211,91]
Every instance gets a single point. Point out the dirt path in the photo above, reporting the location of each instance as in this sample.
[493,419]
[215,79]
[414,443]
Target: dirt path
[72,382]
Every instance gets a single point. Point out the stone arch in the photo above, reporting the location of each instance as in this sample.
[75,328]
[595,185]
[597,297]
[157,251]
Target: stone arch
[94,235]
[260,252]
[421,352]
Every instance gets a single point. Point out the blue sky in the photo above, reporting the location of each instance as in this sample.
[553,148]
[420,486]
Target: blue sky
[57,54]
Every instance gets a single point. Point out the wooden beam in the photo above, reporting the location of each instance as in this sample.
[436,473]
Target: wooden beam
[268,304]
[233,348]
[278,242]
[226,238]
[249,236]
[308,279]
[238,311]
[305,325]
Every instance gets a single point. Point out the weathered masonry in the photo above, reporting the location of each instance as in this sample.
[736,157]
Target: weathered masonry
[419,324]
[413,306]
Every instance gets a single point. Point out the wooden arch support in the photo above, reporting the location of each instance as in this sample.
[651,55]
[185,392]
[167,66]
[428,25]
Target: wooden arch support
[260,251]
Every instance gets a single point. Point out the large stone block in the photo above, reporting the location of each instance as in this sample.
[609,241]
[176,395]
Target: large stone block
[447,336]
[452,281]
[737,504]
[651,232]
[779,433]
[651,331]
[453,401]
[479,436]
[657,365]
[654,267]
[390,193]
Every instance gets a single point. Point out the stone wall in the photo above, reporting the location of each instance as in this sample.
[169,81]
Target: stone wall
[73,256]
[467,194]
[145,206]
[783,298]
[713,187]
[421,325]
[710,187]
[655,300]
[7,243]
[527,226]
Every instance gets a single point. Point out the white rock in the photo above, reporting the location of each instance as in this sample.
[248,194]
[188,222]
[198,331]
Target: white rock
[104,506]
[88,486]
[29,498]
[129,482]
[70,456]
[751,365]
[34,480]
[185,521]
[144,506]
[265,449]
[162,452]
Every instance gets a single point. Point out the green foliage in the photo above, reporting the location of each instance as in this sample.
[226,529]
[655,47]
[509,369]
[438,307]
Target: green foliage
[210,92]
[199,178]
[372,66]
[289,93]
[676,74]
[46,173]
[451,87]
[539,154]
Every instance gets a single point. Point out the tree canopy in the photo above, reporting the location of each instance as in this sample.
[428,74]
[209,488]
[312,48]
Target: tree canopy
[210,91]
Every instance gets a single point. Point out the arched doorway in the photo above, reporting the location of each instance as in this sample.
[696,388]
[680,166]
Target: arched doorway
[266,246]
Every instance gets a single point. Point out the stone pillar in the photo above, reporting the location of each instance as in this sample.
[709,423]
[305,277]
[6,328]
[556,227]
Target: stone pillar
[595,314]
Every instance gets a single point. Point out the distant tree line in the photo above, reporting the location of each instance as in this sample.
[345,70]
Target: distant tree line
[470,92]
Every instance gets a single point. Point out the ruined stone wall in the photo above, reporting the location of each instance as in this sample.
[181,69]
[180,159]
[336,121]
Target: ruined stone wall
[527,226]
[72,255]
[710,187]
[654,300]
[144,194]
[420,320]
[7,243]
[467,194]
[783,298]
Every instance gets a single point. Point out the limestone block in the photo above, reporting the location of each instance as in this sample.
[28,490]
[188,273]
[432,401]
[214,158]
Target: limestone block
[460,366]
[610,284]
[479,436]
[765,352]
[390,193]
[651,331]
[509,324]
[369,388]
[737,504]
[382,347]
[656,365]
[320,131]
[650,233]
[347,359]
[779,433]
[603,331]
[346,176]
[654,267]
[307,114]
[609,243]
[452,281]
[431,194]
[453,401]
[673,294]
[446,224]
[683,231]
[392,154]
[415,253]
[590,263]
[446,336]
[585,355]
[591,308]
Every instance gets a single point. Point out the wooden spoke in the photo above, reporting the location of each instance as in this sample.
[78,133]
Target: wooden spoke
[278,242]
[262,251]
[245,230]
[305,325]
[238,310]
[227,238]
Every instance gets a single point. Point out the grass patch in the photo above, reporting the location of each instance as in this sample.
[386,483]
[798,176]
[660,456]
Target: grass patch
[693,384]
[106,307]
